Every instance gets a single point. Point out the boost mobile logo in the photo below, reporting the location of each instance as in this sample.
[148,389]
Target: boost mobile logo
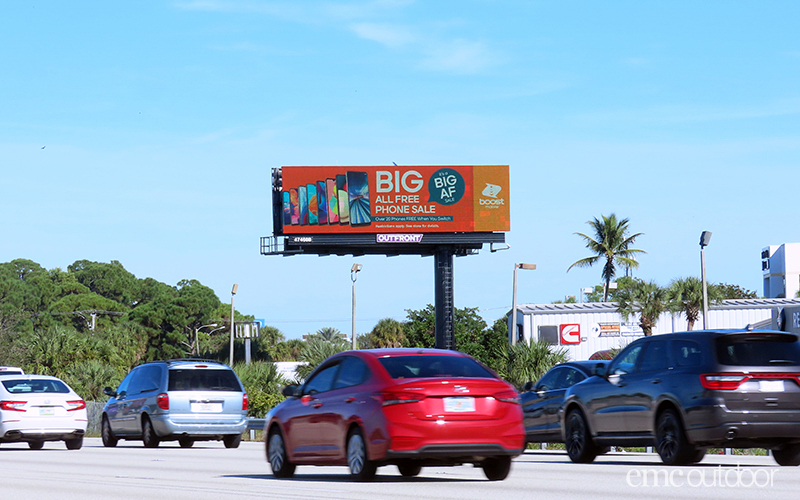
[491,190]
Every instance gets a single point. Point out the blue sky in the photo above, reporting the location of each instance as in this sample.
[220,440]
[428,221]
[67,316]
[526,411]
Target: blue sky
[146,132]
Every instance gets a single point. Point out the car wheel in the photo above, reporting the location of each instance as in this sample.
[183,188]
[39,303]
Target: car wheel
[698,456]
[671,442]
[186,442]
[787,455]
[578,442]
[409,469]
[35,445]
[276,455]
[109,439]
[361,468]
[232,441]
[496,468]
[74,444]
[149,437]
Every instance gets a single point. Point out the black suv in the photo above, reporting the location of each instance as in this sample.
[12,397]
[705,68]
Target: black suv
[686,392]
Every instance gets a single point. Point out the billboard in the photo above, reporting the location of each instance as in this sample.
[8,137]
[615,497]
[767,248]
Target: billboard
[406,199]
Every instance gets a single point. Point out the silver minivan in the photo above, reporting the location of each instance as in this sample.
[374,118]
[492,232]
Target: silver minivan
[184,400]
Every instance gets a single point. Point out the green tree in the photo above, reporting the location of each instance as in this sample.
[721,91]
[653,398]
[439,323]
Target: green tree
[12,347]
[329,334]
[387,332]
[420,327]
[263,385]
[528,362]
[611,244]
[685,296]
[734,291]
[645,299]
[24,288]
[315,351]
[110,280]
[51,350]
[288,350]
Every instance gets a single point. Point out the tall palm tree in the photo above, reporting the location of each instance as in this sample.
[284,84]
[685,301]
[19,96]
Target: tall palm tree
[612,243]
[686,296]
[646,299]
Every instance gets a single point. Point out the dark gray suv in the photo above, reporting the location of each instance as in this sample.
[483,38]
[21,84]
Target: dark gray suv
[186,400]
[686,392]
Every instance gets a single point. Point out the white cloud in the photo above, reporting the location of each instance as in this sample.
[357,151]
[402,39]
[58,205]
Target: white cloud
[460,56]
[435,52]
[384,34]
[682,113]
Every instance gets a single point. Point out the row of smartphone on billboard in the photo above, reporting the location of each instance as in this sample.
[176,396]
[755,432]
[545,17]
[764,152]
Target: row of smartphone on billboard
[341,200]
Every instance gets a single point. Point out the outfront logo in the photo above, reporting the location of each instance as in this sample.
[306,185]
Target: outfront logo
[491,190]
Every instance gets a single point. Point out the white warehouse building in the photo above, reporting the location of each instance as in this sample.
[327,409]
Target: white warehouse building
[584,329]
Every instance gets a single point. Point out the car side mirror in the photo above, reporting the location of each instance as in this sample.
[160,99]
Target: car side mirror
[291,391]
[528,386]
[108,391]
[600,370]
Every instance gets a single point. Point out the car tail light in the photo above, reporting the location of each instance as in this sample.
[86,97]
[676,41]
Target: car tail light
[508,396]
[245,402]
[723,381]
[729,381]
[76,405]
[396,398]
[162,400]
[12,405]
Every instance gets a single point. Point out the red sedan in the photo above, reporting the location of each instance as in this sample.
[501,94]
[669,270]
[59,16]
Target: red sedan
[405,407]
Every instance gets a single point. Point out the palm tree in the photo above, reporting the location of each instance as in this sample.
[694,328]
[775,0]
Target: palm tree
[686,296]
[388,333]
[612,243]
[329,334]
[646,299]
[528,362]
[315,351]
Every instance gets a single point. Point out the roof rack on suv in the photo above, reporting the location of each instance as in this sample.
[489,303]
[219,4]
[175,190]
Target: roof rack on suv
[184,360]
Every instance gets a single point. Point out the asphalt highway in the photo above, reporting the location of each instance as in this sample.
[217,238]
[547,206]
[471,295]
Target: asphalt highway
[210,471]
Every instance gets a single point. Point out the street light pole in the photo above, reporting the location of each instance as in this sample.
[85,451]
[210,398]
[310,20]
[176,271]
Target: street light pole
[197,340]
[514,301]
[233,292]
[705,238]
[353,277]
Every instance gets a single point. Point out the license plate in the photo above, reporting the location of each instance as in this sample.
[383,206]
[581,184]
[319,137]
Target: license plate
[770,386]
[207,407]
[46,411]
[455,405]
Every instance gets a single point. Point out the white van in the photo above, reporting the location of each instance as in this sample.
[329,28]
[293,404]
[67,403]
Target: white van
[11,370]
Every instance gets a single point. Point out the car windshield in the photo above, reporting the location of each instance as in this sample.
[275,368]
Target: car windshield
[433,366]
[758,350]
[203,380]
[36,386]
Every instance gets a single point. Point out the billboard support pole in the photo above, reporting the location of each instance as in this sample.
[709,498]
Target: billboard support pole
[445,312]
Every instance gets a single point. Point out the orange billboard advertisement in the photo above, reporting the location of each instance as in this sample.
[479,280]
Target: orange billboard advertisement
[396,199]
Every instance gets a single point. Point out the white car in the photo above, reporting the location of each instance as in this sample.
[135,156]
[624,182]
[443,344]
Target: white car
[11,370]
[39,408]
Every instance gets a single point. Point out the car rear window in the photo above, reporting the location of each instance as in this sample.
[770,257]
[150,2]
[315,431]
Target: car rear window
[36,387]
[203,380]
[758,350]
[433,366]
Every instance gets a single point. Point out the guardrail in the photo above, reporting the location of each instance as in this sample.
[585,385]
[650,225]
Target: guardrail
[256,424]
